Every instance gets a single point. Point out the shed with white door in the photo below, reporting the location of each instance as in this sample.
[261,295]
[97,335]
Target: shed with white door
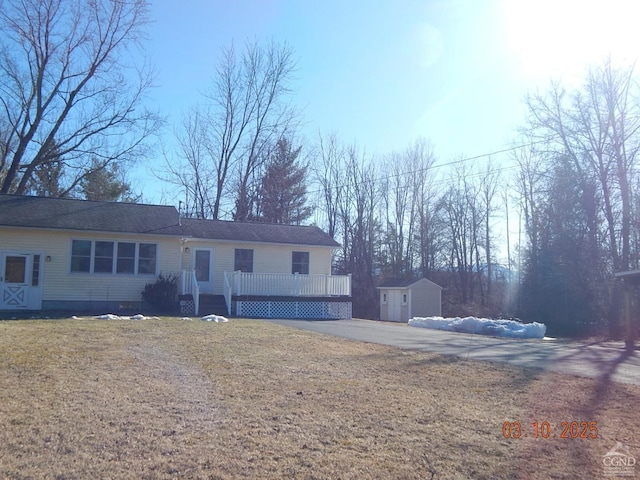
[401,300]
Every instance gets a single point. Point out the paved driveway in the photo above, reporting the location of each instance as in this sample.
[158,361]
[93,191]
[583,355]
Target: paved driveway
[606,360]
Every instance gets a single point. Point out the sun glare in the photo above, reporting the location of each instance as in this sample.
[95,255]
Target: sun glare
[561,38]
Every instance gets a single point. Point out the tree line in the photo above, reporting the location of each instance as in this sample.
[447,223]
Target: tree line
[72,93]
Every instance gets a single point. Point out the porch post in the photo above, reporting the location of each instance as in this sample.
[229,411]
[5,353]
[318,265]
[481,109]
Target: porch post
[237,282]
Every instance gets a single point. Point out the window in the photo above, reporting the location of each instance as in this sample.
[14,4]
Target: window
[103,257]
[147,258]
[123,258]
[15,269]
[404,298]
[300,262]
[81,256]
[35,271]
[126,262]
[384,298]
[243,260]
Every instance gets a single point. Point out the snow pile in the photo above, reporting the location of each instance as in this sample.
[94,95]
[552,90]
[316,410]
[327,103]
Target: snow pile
[482,326]
[215,318]
[111,316]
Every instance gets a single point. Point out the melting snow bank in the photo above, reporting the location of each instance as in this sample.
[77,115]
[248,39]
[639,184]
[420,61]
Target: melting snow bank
[482,326]
[111,316]
[215,318]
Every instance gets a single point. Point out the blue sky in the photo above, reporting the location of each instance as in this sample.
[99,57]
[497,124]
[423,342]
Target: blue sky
[382,73]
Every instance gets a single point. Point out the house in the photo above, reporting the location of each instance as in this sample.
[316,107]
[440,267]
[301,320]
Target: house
[401,300]
[78,255]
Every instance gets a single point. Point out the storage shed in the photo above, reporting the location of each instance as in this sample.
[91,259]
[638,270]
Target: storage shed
[401,300]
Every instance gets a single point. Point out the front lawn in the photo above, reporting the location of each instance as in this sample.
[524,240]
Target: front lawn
[170,398]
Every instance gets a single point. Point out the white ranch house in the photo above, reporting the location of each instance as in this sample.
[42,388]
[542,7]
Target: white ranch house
[76,255]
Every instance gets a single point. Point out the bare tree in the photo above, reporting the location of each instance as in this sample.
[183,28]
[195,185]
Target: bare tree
[328,174]
[463,212]
[397,211]
[591,133]
[68,78]
[597,128]
[195,172]
[227,138]
[408,200]
[531,186]
[359,229]
[488,189]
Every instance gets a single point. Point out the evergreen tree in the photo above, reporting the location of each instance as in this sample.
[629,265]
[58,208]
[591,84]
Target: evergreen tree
[283,192]
[106,183]
[47,179]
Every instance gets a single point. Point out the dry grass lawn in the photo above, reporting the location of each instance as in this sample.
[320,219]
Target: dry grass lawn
[169,398]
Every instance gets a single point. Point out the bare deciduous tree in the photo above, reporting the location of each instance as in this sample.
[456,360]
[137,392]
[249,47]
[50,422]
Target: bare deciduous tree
[69,80]
[328,173]
[225,140]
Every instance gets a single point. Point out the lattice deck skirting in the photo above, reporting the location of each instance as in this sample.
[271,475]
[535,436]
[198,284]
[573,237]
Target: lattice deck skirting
[187,307]
[283,309]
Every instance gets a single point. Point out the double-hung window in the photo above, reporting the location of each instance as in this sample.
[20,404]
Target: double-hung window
[81,255]
[300,262]
[126,262]
[243,260]
[147,258]
[103,257]
[108,257]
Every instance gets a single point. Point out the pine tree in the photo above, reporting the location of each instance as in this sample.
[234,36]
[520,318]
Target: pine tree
[106,183]
[283,192]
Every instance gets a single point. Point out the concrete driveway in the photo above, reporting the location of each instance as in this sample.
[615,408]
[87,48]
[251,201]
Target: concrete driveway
[608,361]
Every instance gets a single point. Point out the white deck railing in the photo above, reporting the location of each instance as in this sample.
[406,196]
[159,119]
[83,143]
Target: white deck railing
[289,285]
[189,285]
[228,292]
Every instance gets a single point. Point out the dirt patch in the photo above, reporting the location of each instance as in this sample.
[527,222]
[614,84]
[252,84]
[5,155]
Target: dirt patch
[248,399]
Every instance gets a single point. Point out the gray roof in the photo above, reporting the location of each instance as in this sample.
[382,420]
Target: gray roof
[256,232]
[404,283]
[71,214]
[84,215]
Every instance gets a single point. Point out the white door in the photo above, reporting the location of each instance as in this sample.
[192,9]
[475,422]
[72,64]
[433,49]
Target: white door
[203,266]
[395,298]
[20,281]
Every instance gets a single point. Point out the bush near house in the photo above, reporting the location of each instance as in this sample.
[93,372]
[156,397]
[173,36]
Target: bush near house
[161,296]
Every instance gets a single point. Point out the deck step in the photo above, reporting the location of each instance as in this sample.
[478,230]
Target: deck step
[213,304]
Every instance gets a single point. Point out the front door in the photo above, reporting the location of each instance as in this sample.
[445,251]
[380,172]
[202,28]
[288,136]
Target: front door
[203,266]
[20,275]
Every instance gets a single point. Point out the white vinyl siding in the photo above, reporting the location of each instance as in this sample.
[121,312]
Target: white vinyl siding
[59,284]
[267,258]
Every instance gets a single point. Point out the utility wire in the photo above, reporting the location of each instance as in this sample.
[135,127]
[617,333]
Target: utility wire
[425,169]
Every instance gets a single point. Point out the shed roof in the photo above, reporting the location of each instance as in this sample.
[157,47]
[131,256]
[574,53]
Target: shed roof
[84,215]
[405,283]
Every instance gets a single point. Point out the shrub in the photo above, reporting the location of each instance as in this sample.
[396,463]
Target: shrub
[162,294]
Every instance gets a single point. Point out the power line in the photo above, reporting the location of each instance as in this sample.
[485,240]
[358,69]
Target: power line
[424,170]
